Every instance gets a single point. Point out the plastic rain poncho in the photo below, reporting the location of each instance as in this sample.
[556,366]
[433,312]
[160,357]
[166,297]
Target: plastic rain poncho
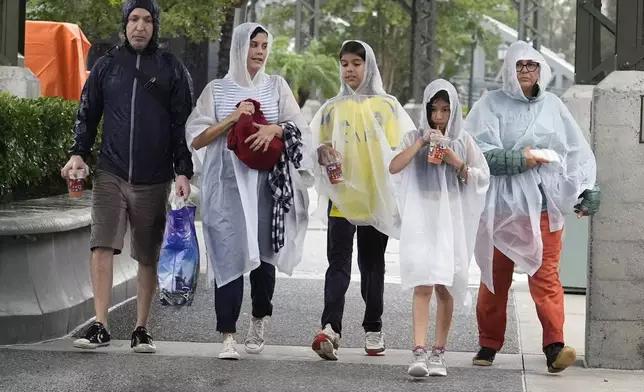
[236,201]
[439,214]
[364,126]
[506,119]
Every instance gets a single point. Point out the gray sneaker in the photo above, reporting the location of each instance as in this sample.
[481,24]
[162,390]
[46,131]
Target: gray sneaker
[374,343]
[418,367]
[437,366]
[254,343]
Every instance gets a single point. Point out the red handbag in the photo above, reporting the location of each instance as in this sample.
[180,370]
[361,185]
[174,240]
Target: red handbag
[243,128]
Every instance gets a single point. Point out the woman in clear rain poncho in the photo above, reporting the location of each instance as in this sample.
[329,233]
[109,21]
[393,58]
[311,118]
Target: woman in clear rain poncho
[356,133]
[440,206]
[241,206]
[541,166]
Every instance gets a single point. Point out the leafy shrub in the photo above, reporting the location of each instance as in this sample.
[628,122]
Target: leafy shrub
[36,135]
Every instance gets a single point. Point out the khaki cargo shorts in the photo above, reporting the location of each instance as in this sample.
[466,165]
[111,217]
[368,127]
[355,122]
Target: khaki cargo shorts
[115,203]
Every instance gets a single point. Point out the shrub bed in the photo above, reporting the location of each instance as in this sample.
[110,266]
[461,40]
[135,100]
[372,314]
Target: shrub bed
[36,135]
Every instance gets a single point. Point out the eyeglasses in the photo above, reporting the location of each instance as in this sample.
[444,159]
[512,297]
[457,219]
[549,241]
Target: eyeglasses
[531,67]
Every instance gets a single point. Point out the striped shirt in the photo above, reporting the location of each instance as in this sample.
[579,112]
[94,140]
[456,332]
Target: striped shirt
[227,94]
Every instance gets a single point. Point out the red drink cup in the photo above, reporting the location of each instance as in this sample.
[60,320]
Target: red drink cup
[437,146]
[334,171]
[75,184]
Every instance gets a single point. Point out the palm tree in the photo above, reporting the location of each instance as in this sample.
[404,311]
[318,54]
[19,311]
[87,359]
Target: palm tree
[302,70]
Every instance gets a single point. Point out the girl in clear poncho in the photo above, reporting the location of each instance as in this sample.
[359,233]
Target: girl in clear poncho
[253,221]
[541,166]
[440,202]
[356,133]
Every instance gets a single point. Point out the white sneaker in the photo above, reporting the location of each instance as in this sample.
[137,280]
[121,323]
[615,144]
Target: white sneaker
[418,366]
[437,366]
[327,343]
[254,343]
[229,349]
[374,343]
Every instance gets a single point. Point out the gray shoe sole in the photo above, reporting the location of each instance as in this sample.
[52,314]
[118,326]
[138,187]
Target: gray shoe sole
[418,370]
[437,372]
[229,356]
[252,350]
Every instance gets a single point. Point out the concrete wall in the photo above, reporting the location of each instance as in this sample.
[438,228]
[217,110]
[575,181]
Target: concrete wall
[45,283]
[573,266]
[578,99]
[19,81]
[615,300]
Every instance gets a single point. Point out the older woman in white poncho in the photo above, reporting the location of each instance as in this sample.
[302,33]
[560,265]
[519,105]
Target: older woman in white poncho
[541,167]
[440,206]
[238,202]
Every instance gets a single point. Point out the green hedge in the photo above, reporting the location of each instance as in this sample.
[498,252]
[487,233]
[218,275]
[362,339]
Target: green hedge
[36,137]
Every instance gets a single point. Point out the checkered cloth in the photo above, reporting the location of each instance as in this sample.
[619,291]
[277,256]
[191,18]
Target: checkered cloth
[280,181]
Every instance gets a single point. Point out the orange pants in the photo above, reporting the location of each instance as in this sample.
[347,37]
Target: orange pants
[545,288]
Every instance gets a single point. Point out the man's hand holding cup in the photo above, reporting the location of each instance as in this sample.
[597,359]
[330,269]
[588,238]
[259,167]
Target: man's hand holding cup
[75,172]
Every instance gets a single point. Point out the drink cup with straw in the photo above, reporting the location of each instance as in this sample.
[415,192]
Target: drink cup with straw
[334,170]
[437,147]
[75,183]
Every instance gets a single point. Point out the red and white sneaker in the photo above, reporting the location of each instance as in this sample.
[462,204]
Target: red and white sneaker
[327,343]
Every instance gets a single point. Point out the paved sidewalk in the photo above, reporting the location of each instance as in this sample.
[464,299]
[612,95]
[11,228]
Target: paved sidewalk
[193,367]
[577,378]
[536,377]
[188,346]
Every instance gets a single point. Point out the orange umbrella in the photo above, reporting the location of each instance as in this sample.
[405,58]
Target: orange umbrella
[57,54]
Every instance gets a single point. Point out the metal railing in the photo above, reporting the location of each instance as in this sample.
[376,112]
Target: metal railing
[529,20]
[626,34]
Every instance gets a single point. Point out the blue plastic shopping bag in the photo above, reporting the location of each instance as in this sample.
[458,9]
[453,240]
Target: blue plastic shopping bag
[178,271]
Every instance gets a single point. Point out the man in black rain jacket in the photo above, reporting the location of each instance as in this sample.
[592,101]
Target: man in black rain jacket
[144,96]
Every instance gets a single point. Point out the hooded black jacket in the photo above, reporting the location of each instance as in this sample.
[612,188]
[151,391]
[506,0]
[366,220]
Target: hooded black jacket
[142,142]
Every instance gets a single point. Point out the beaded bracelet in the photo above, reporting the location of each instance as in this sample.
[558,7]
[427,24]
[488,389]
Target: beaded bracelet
[460,171]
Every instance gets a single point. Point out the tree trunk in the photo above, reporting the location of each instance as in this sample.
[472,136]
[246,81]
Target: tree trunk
[424,69]
[388,71]
[412,58]
[302,96]
[195,58]
[252,10]
[226,38]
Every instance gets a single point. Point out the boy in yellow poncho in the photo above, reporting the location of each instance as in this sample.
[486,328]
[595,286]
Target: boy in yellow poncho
[356,133]
[361,124]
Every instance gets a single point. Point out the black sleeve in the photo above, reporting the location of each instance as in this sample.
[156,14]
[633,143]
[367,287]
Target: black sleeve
[90,111]
[181,103]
